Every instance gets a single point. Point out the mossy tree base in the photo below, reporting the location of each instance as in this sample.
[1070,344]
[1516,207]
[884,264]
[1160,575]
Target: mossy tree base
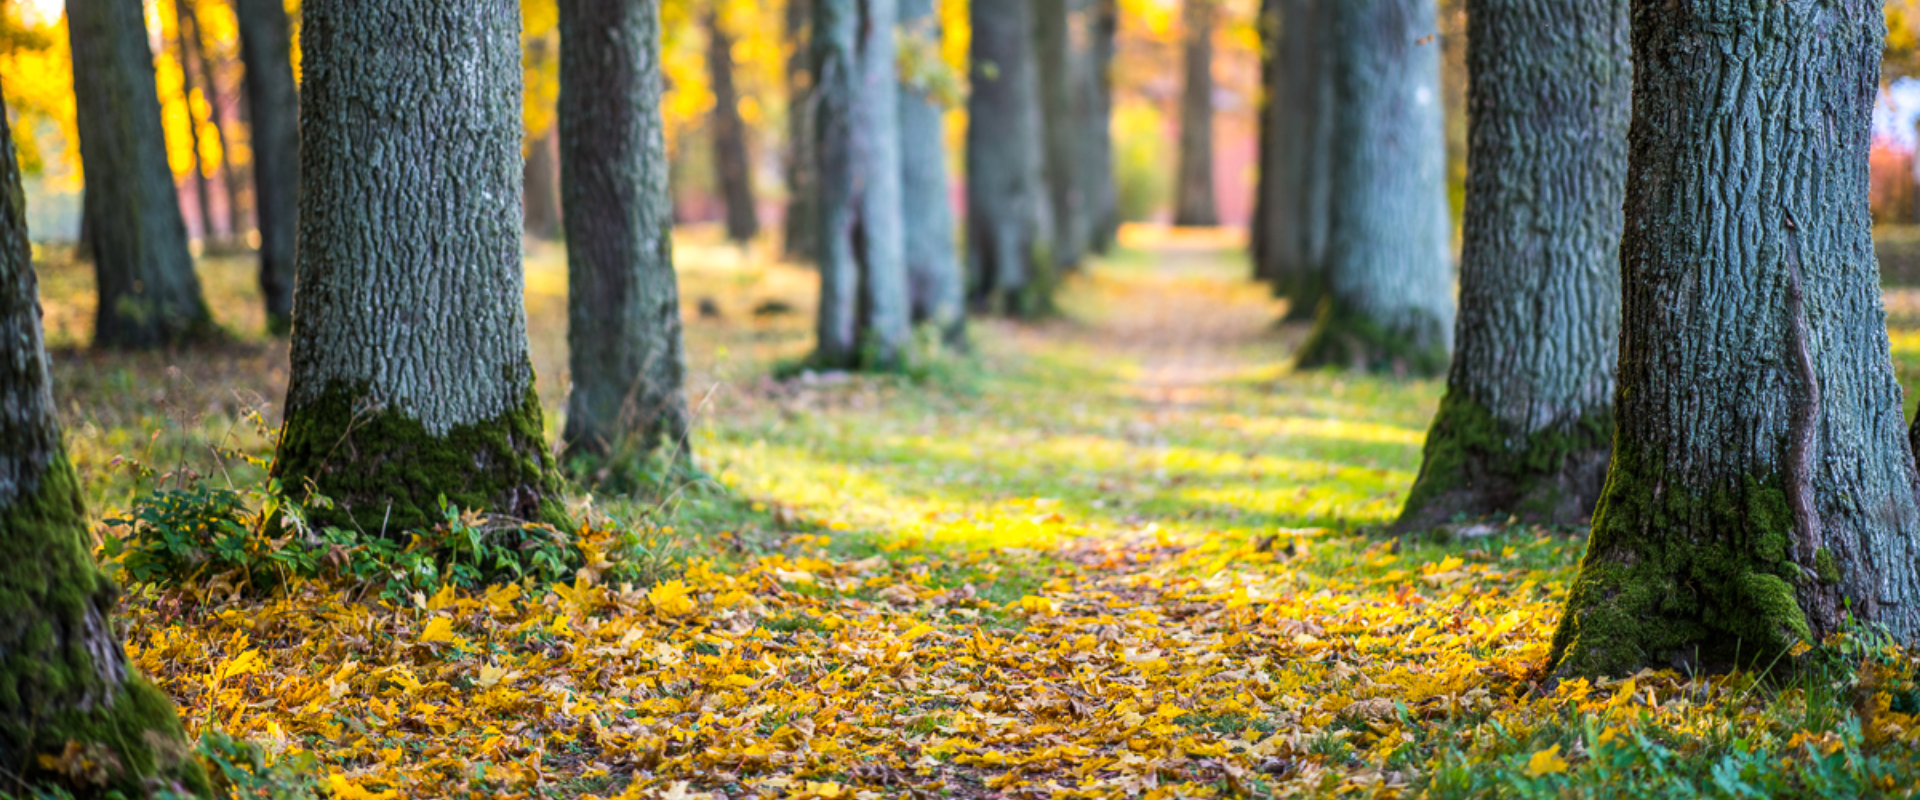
[66,690]
[385,473]
[1344,339]
[1475,466]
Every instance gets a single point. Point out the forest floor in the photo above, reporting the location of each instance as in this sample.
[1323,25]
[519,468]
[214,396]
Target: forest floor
[1126,553]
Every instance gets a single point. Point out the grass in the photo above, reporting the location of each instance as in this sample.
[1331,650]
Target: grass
[1139,546]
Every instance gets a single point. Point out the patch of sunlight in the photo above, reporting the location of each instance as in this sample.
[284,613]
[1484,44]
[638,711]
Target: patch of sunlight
[1344,429]
[1342,500]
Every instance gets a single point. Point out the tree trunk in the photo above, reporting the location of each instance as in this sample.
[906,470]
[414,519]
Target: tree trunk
[1389,306]
[1009,219]
[64,676]
[202,196]
[273,104]
[733,167]
[1268,118]
[542,176]
[935,287]
[865,321]
[1102,212]
[148,293]
[410,376]
[801,239]
[1297,131]
[1761,491]
[1055,57]
[217,119]
[1527,421]
[623,300]
[1193,201]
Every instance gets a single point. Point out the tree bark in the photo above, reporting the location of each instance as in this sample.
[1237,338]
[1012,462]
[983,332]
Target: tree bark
[410,377]
[1194,201]
[64,675]
[202,195]
[217,119]
[1389,306]
[935,286]
[1102,211]
[801,239]
[542,177]
[1009,219]
[623,301]
[273,103]
[1527,421]
[865,319]
[1055,59]
[1761,491]
[733,167]
[1289,229]
[148,293]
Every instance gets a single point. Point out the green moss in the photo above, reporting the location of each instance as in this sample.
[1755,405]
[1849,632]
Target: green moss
[1344,339]
[1475,465]
[386,474]
[51,686]
[1673,578]
[1825,567]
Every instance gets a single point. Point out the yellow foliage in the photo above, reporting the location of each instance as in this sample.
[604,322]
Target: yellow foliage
[1546,762]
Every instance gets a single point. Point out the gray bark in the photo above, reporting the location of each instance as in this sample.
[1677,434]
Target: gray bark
[801,239]
[935,286]
[273,103]
[865,319]
[148,293]
[1193,187]
[64,675]
[1057,65]
[1389,305]
[1296,127]
[1102,212]
[409,344]
[733,167]
[1009,219]
[1527,422]
[623,302]
[1761,489]
[542,180]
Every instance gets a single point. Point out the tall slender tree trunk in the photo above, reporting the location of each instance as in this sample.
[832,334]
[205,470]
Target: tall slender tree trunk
[216,119]
[1527,421]
[542,177]
[935,286]
[148,293]
[801,239]
[273,104]
[1055,56]
[1193,188]
[1389,305]
[623,301]
[1009,218]
[1102,212]
[1267,25]
[1761,491]
[410,377]
[1296,145]
[732,165]
[202,195]
[64,676]
[865,319]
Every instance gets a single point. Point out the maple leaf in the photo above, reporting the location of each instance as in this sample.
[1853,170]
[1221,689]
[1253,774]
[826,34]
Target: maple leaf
[439,630]
[344,789]
[1546,762]
[671,598]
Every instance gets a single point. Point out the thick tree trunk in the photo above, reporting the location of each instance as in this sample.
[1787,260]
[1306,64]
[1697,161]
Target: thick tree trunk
[1009,219]
[1102,211]
[733,167]
[216,119]
[273,103]
[1055,59]
[1761,491]
[148,293]
[202,195]
[865,319]
[802,235]
[935,287]
[410,377]
[1297,141]
[623,301]
[1389,306]
[542,177]
[1193,187]
[1528,417]
[64,675]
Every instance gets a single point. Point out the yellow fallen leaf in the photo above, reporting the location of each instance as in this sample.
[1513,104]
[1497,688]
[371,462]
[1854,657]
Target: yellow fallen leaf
[671,599]
[344,789]
[739,681]
[916,632]
[1546,762]
[440,629]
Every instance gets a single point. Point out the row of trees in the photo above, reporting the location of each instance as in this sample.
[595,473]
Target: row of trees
[1669,310]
